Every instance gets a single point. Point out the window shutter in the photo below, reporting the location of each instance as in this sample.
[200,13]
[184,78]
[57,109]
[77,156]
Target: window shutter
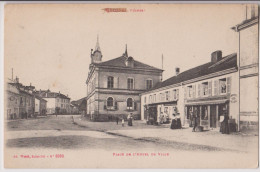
[194,91]
[185,92]
[105,81]
[199,90]
[216,89]
[177,93]
[210,88]
[228,84]
[135,105]
[115,82]
[115,105]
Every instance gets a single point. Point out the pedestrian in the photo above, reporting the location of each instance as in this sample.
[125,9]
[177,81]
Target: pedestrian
[224,128]
[191,118]
[195,122]
[174,122]
[178,121]
[117,119]
[123,122]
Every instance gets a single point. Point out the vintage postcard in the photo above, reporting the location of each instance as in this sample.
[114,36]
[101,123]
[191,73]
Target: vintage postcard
[131,85]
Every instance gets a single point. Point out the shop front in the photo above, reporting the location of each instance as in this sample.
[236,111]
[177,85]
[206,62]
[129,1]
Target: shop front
[209,112]
[160,112]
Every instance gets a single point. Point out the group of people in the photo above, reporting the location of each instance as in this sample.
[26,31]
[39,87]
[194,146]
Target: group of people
[224,127]
[163,118]
[129,119]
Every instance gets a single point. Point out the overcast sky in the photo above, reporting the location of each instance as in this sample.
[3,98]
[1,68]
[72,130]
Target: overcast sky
[49,45]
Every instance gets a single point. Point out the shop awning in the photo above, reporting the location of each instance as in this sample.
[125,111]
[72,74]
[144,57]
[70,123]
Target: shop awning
[209,102]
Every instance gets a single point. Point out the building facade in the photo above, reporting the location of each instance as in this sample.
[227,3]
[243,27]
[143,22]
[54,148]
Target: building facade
[20,100]
[248,68]
[56,102]
[209,89]
[40,106]
[114,86]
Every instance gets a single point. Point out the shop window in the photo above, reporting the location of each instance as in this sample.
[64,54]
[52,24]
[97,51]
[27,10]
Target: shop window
[110,102]
[223,86]
[205,87]
[110,82]
[130,83]
[149,84]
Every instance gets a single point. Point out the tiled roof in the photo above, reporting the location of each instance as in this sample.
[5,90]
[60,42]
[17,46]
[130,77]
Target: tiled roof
[62,96]
[120,62]
[227,62]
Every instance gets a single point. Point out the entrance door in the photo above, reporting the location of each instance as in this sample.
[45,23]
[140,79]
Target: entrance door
[213,119]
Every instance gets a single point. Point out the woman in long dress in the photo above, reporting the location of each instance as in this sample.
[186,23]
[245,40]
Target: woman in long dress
[178,121]
[174,122]
[224,128]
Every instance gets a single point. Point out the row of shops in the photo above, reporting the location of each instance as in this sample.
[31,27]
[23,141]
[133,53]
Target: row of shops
[198,95]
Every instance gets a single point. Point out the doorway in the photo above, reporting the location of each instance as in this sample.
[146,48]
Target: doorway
[213,118]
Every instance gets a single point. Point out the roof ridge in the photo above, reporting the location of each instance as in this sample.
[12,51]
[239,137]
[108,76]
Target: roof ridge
[223,60]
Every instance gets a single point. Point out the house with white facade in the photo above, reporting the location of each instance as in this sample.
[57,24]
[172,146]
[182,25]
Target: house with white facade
[209,89]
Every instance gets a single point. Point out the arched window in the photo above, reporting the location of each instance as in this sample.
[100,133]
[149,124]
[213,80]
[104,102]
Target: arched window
[129,103]
[110,102]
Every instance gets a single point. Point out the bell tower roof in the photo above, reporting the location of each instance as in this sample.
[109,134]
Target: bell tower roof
[125,54]
[97,45]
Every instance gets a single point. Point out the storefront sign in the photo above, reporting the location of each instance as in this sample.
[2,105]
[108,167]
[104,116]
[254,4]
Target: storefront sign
[233,98]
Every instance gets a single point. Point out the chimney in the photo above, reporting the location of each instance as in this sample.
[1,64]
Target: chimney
[177,71]
[17,80]
[216,56]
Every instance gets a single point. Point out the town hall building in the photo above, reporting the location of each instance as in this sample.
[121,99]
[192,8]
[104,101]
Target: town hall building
[114,86]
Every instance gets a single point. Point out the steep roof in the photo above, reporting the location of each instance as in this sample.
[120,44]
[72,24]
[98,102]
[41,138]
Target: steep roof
[227,62]
[120,62]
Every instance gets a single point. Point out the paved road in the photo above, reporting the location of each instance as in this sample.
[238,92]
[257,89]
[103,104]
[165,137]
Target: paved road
[62,133]
[85,147]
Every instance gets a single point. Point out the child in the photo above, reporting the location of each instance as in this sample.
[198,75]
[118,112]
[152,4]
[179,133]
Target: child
[123,122]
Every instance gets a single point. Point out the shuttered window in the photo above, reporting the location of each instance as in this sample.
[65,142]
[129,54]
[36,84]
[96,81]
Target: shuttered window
[216,88]
[210,88]
[149,84]
[229,85]
[130,83]
[110,82]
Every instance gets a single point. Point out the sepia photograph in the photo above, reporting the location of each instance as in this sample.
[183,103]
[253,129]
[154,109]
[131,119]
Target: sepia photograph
[131,85]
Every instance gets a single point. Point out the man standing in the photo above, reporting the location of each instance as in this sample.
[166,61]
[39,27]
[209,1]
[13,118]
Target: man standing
[195,116]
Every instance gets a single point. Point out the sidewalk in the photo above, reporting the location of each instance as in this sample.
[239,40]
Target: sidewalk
[232,142]
[242,142]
